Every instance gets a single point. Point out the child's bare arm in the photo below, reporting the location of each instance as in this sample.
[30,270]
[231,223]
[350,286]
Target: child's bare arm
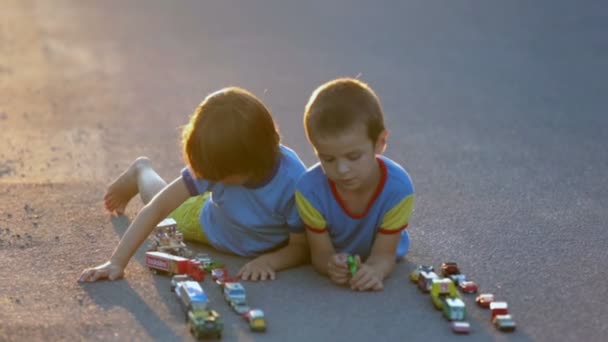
[379,265]
[264,267]
[151,214]
[324,257]
[321,250]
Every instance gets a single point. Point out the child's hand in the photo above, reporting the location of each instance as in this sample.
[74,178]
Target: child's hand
[256,269]
[367,278]
[103,271]
[337,268]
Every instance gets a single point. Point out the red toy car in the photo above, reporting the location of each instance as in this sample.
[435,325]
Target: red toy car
[226,279]
[449,268]
[499,308]
[468,286]
[484,300]
[218,273]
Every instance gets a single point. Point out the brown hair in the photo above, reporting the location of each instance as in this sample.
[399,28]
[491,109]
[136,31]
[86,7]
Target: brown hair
[231,133]
[338,104]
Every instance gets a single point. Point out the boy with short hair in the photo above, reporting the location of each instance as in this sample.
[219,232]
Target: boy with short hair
[236,193]
[355,201]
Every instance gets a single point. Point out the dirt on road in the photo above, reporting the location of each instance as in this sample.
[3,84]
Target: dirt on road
[54,163]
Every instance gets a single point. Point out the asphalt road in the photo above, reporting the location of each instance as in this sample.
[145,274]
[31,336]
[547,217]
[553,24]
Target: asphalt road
[496,108]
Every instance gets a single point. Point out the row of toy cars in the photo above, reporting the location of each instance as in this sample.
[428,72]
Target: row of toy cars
[446,297]
[233,292]
[169,255]
[202,321]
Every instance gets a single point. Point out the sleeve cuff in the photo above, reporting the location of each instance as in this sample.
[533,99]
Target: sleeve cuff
[189,180]
[315,230]
[391,231]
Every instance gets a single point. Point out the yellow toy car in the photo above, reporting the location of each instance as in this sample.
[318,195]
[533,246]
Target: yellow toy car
[256,319]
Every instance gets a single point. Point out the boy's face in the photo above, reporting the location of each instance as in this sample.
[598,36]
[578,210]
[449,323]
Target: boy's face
[349,159]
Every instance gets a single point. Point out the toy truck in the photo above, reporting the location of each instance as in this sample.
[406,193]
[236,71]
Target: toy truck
[173,264]
[205,323]
[192,296]
[166,238]
[442,288]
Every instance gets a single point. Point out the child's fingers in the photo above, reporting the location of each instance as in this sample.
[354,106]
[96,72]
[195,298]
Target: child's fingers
[240,272]
[245,273]
[365,284]
[336,268]
[338,277]
[339,280]
[339,260]
[379,286]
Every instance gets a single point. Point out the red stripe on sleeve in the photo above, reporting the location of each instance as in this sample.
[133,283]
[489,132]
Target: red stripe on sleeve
[316,230]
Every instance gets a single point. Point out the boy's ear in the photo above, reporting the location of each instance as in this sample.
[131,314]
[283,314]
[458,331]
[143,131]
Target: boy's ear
[381,142]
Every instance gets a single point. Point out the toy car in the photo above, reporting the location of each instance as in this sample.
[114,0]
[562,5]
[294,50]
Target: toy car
[217,273]
[454,309]
[213,264]
[425,280]
[256,319]
[460,327]
[484,300]
[416,273]
[504,322]
[234,292]
[226,279]
[442,288]
[458,278]
[205,323]
[352,264]
[449,268]
[468,286]
[239,307]
[203,258]
[499,308]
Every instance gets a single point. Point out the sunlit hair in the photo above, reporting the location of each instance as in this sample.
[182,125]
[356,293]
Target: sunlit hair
[338,105]
[231,133]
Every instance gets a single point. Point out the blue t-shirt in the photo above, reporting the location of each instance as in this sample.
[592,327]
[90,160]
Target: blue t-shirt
[251,220]
[388,212]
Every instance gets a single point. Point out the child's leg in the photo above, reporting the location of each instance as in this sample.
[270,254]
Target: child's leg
[140,178]
[187,218]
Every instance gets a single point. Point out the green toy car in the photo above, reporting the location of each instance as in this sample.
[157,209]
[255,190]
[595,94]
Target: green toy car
[352,264]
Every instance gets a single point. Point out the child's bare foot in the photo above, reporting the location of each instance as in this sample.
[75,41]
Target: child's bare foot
[124,187]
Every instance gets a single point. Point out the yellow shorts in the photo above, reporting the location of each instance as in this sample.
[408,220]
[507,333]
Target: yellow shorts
[187,218]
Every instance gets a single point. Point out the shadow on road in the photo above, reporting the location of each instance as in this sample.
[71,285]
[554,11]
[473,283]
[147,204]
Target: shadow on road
[108,295]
